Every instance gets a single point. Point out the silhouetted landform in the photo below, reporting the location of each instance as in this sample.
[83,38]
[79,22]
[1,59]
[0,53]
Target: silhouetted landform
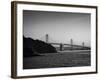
[33,47]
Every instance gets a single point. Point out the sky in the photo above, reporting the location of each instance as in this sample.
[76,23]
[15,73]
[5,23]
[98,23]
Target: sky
[60,26]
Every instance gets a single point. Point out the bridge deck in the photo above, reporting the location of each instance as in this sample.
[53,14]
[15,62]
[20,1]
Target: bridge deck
[68,44]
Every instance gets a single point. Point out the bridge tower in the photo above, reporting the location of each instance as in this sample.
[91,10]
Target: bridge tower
[61,47]
[71,43]
[47,38]
[83,45]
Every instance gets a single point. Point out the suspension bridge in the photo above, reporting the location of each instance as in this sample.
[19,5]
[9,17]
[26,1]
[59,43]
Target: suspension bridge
[64,46]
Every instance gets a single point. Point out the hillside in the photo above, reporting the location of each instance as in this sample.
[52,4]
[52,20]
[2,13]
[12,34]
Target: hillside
[33,47]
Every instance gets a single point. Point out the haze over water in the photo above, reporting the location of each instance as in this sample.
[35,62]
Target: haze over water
[60,26]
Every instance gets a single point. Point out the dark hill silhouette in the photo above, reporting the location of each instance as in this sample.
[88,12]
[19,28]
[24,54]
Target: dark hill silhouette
[33,47]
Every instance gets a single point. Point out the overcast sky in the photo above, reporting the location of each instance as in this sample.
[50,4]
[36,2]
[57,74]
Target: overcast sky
[60,26]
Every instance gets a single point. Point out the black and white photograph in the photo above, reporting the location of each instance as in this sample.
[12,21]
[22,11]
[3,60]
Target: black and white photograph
[53,39]
[56,39]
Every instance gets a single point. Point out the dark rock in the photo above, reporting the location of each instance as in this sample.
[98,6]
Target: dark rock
[33,47]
